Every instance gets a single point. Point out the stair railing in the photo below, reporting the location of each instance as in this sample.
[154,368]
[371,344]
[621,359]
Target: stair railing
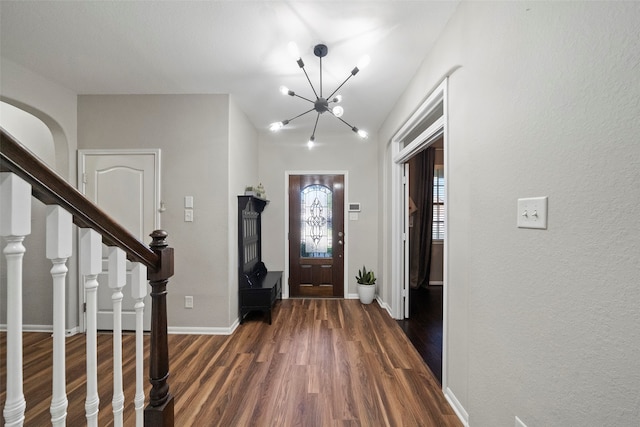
[22,176]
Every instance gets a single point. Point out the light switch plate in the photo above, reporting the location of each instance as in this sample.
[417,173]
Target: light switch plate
[188,215]
[532,212]
[188,301]
[188,202]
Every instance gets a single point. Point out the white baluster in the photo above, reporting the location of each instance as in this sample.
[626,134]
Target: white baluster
[117,280]
[91,266]
[15,223]
[59,249]
[138,292]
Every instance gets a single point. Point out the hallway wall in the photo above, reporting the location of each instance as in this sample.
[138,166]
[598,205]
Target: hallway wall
[542,324]
[193,133]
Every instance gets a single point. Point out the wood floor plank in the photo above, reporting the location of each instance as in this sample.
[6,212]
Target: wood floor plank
[322,362]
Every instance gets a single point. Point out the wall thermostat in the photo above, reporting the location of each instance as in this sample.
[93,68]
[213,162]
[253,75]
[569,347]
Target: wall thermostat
[354,207]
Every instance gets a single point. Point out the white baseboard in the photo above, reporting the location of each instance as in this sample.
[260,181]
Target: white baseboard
[186,330]
[457,407]
[384,305]
[352,296]
[72,331]
[195,330]
[30,328]
[42,328]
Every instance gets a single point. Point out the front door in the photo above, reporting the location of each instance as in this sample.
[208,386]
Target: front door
[125,184]
[316,235]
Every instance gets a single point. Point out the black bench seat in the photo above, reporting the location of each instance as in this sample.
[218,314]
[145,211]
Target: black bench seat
[259,290]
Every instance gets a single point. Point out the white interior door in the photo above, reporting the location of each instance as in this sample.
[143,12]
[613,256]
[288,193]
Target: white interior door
[126,185]
[405,243]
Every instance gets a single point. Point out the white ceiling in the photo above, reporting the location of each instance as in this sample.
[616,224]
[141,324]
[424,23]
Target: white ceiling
[237,47]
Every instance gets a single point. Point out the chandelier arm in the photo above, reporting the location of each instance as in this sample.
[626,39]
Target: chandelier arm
[301,114]
[306,99]
[310,84]
[315,126]
[340,118]
[338,88]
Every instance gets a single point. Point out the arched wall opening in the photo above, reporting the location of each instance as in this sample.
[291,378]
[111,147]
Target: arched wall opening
[28,125]
[44,137]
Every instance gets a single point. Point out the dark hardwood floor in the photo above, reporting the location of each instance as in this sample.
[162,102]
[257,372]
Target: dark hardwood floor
[322,362]
[424,326]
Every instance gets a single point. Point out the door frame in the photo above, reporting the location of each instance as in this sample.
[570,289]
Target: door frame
[345,174]
[82,154]
[399,212]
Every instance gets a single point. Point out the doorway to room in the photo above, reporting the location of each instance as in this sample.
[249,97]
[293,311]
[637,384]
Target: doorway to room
[419,301]
[316,235]
[423,320]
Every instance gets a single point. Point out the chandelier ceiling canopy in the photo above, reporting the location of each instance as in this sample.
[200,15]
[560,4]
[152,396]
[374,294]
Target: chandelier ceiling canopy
[321,104]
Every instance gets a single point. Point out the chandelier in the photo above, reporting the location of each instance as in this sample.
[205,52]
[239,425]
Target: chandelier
[321,104]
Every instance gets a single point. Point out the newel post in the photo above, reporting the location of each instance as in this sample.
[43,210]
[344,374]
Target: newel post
[159,412]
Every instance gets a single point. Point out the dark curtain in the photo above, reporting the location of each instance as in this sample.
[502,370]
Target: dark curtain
[421,191]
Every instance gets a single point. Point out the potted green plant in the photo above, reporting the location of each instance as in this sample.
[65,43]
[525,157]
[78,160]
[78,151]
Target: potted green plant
[366,285]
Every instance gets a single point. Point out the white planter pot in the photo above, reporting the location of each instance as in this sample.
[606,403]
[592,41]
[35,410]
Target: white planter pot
[366,293]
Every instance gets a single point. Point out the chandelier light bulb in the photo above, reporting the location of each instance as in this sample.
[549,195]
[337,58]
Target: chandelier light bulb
[293,50]
[337,99]
[311,142]
[361,133]
[284,90]
[337,111]
[363,62]
[275,126]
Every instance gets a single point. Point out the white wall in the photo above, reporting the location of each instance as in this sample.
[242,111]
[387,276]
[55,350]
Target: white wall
[193,133]
[343,151]
[542,324]
[56,107]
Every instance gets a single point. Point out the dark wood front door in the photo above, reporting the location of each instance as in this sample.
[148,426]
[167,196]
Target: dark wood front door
[316,235]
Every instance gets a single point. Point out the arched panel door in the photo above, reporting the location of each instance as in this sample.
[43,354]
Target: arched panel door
[316,235]
[126,185]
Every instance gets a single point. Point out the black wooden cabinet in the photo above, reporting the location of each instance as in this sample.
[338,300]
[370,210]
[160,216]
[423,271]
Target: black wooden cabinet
[258,289]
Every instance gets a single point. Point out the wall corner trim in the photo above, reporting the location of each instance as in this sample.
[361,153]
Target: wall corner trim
[457,407]
[384,305]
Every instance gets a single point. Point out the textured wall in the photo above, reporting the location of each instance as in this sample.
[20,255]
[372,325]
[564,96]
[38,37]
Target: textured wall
[542,324]
[56,106]
[192,132]
[243,170]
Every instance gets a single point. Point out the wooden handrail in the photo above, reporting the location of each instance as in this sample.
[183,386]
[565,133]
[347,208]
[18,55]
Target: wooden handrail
[50,188]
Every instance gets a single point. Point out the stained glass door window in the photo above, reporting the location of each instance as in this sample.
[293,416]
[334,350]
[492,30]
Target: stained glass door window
[316,225]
